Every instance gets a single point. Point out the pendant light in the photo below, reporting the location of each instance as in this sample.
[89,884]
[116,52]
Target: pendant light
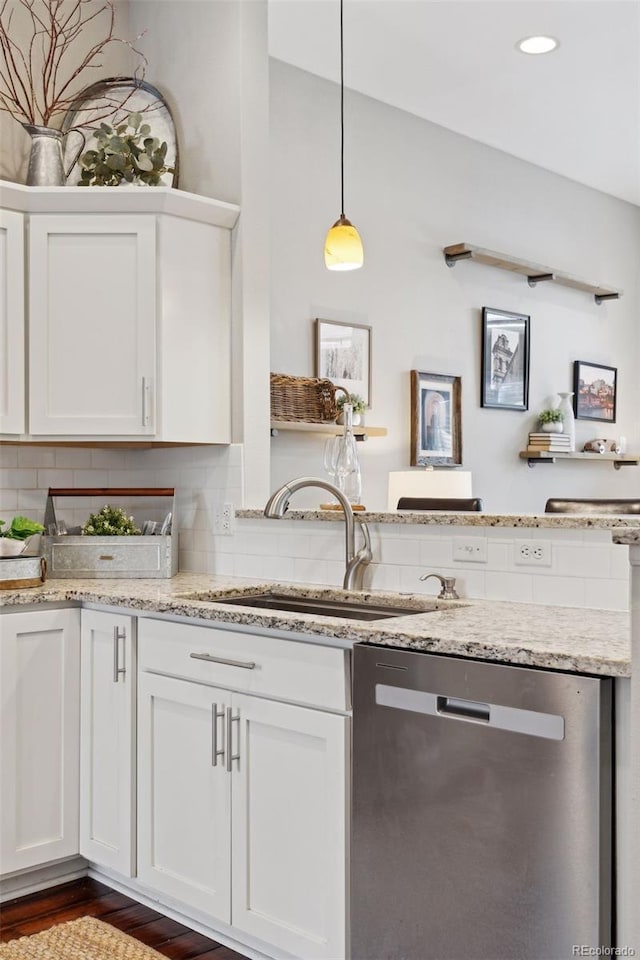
[343,246]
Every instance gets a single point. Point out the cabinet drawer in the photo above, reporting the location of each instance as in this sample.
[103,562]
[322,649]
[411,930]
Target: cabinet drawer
[261,664]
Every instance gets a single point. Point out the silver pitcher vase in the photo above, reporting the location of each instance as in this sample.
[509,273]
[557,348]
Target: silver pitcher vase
[46,168]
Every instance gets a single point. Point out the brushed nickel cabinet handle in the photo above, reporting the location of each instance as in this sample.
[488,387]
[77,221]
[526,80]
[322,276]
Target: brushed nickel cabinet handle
[118,635]
[244,664]
[231,756]
[146,401]
[215,716]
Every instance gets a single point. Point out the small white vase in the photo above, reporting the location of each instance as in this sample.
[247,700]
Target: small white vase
[553,426]
[569,421]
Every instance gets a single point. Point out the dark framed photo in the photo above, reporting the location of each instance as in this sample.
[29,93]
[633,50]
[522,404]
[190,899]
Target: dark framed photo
[343,355]
[505,360]
[436,420]
[594,391]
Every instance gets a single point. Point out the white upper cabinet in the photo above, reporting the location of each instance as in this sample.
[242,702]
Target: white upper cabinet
[128,330]
[12,386]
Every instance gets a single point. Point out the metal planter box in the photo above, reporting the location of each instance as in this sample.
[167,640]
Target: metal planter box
[77,557]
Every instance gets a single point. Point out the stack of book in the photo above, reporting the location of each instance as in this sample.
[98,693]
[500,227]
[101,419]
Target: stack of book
[550,442]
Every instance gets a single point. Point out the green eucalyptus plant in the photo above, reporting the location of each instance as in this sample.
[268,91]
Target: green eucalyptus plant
[551,416]
[127,153]
[110,522]
[356,401]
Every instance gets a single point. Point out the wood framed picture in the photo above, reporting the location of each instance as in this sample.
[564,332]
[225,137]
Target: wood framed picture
[505,360]
[343,355]
[594,391]
[436,420]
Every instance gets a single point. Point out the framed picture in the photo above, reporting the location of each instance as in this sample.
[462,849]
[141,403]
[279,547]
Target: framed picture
[343,355]
[436,422]
[505,360]
[594,391]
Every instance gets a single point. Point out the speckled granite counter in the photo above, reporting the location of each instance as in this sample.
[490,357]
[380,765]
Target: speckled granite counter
[566,521]
[630,537]
[561,638]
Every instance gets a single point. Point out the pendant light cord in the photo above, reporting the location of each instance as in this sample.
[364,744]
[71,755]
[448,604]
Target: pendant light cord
[341,114]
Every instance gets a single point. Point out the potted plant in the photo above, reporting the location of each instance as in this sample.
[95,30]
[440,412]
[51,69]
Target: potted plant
[358,404]
[18,538]
[551,421]
[128,153]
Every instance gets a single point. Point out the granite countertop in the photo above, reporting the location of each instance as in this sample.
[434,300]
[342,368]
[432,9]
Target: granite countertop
[561,638]
[631,537]
[566,521]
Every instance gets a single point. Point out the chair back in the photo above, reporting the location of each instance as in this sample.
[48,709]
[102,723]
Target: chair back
[592,506]
[449,504]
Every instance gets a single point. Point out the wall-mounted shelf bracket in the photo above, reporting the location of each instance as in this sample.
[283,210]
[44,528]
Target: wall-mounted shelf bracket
[540,278]
[534,272]
[452,258]
[601,297]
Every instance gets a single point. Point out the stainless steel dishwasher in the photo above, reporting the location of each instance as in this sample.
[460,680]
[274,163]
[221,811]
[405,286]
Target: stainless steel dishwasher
[482,810]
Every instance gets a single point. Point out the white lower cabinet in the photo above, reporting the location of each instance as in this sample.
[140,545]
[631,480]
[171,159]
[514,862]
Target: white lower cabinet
[242,800]
[107,742]
[39,737]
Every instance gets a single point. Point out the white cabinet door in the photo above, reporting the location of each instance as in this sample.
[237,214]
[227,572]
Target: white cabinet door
[184,793]
[289,803]
[92,325]
[12,319]
[39,737]
[107,741]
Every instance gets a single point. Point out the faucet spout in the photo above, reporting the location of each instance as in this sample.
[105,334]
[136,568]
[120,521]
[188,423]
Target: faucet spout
[277,505]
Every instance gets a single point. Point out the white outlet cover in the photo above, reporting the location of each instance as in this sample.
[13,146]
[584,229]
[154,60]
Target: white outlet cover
[532,553]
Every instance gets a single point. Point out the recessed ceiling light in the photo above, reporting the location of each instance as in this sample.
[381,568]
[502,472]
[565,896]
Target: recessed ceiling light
[537,44]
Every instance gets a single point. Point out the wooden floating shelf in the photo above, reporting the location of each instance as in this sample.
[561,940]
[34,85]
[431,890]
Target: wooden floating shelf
[547,456]
[333,429]
[534,272]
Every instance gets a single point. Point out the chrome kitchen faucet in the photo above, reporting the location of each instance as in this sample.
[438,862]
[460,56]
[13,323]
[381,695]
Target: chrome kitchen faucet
[278,503]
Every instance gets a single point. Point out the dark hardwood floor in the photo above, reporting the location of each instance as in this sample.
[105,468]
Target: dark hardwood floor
[88,898]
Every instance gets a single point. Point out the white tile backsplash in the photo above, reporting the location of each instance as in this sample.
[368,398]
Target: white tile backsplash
[587,569]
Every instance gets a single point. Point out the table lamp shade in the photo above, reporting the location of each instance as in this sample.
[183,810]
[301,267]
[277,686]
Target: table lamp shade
[428,483]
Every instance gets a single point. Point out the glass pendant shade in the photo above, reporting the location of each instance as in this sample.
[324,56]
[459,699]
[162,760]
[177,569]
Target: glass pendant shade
[343,246]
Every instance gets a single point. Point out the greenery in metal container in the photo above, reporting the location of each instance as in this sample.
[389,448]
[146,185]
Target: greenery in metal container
[551,416]
[110,522]
[126,153]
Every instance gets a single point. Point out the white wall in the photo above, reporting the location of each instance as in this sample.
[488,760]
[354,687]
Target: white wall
[412,188]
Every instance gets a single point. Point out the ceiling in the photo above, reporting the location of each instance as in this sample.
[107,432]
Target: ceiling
[575,111]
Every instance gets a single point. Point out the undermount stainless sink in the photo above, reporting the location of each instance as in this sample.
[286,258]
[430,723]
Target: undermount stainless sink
[349,608]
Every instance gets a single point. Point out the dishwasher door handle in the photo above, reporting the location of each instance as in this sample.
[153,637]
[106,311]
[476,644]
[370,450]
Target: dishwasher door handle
[463,709]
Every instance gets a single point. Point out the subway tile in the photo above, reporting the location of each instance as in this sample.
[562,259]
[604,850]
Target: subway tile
[70,458]
[32,503]
[498,556]
[253,566]
[9,457]
[620,566]
[401,551]
[222,564]
[559,591]
[608,594]
[310,571]
[8,500]
[327,547]
[290,545]
[38,457]
[252,545]
[384,576]
[18,479]
[193,561]
[55,478]
[570,560]
[109,459]
[436,551]
[90,478]
[513,587]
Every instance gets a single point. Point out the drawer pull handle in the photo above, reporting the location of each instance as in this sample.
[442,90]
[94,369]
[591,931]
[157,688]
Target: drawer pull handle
[245,664]
[106,556]
[215,751]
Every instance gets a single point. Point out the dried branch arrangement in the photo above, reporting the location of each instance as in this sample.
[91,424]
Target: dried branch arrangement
[39,77]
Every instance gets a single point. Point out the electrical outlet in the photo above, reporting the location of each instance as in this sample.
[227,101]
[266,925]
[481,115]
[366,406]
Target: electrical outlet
[223,519]
[533,553]
[473,550]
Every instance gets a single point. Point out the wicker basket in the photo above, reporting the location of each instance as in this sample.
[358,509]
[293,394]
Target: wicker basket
[308,399]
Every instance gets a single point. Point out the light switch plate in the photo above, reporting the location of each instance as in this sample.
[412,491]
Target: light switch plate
[473,550]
